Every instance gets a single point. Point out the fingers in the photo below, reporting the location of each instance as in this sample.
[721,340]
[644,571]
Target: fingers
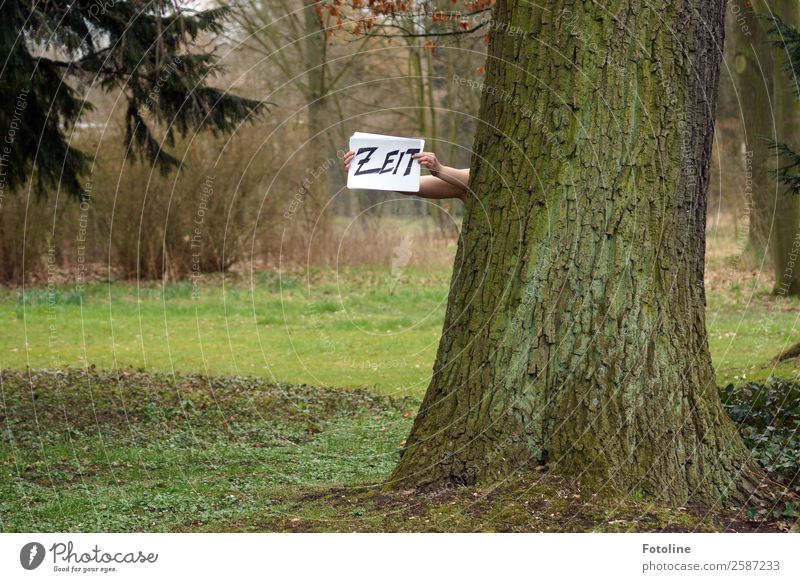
[427,159]
[348,158]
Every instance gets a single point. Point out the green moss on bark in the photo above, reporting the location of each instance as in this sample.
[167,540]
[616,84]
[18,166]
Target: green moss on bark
[575,331]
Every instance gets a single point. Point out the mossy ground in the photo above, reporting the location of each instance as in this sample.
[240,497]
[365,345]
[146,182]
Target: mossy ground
[135,451]
[534,502]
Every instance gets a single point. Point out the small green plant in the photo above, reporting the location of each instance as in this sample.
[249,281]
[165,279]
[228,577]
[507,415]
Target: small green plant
[768,417]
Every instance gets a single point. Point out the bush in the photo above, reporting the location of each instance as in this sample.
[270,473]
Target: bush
[196,220]
[25,224]
[768,417]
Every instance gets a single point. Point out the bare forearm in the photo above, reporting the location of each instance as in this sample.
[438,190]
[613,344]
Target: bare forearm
[438,189]
[454,176]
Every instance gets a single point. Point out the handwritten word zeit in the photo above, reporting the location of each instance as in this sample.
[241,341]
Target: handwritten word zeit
[388,166]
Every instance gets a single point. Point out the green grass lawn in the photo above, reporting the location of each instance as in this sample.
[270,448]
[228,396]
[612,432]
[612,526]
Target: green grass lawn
[150,410]
[141,452]
[136,451]
[347,328]
[354,327]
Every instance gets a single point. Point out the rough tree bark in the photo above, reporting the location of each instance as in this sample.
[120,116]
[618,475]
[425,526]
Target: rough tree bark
[575,327]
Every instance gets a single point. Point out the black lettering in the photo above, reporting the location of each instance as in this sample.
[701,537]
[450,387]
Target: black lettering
[399,161]
[389,159]
[410,152]
[359,171]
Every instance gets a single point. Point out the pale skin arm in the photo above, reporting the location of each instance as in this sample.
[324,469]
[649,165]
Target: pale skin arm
[444,183]
[455,176]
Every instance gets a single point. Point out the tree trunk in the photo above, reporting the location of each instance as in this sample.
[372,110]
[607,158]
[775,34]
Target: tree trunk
[422,75]
[317,186]
[786,235]
[753,68]
[575,327]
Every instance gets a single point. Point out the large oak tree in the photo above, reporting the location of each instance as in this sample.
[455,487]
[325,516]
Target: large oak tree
[575,328]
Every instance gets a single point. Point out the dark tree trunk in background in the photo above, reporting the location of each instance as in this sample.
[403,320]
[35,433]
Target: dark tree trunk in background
[575,327]
[317,98]
[786,233]
[753,75]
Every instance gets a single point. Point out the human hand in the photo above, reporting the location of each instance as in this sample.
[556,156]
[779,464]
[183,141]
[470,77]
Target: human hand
[348,158]
[429,161]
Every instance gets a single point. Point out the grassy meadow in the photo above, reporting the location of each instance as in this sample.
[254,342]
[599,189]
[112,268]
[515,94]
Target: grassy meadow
[376,327]
[280,402]
[351,328]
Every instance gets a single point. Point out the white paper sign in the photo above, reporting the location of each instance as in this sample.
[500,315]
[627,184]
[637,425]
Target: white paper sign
[383,162]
